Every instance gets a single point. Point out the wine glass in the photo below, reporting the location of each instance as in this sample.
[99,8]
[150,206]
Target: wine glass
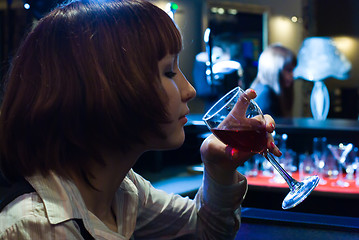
[319,155]
[239,122]
[340,153]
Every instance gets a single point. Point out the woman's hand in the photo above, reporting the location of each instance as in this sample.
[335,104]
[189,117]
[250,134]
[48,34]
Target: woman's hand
[221,161]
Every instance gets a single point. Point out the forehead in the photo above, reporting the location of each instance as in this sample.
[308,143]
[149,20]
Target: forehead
[168,60]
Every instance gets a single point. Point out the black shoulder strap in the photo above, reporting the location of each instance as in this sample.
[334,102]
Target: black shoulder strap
[10,191]
[84,233]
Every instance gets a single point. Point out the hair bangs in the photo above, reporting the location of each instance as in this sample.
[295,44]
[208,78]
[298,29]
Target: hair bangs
[169,36]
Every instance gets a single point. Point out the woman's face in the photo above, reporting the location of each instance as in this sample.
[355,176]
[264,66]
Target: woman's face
[179,92]
[287,76]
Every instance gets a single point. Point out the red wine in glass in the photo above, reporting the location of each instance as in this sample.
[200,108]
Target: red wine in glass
[243,139]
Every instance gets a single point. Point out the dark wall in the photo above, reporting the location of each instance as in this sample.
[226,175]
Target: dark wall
[335,18]
[14,23]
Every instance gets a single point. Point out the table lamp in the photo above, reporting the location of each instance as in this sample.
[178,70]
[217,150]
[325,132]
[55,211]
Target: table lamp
[319,59]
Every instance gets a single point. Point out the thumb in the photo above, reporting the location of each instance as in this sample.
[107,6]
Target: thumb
[240,108]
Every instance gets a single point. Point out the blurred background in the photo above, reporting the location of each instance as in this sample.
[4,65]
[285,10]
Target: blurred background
[252,25]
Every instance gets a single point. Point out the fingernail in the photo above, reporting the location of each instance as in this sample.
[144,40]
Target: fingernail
[272,145]
[253,91]
[234,152]
[280,152]
[272,125]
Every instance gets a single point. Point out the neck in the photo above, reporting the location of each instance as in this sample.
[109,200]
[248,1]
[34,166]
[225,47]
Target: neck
[105,181]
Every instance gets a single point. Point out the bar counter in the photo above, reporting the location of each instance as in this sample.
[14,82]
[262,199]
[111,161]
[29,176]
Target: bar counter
[186,181]
[172,171]
[328,187]
[267,194]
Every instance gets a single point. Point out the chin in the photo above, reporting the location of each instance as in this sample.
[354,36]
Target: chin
[174,143]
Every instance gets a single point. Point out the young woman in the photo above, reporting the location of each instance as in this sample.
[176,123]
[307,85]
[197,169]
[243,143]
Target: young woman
[93,86]
[274,81]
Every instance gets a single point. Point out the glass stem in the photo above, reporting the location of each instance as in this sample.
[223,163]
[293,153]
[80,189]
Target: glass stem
[340,177]
[292,183]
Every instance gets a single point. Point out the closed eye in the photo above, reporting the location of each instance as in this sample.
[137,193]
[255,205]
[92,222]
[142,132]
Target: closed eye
[170,74]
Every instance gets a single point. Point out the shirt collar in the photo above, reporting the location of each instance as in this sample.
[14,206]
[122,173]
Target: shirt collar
[63,202]
[61,198]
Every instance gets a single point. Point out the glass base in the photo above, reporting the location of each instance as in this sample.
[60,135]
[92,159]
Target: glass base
[297,195]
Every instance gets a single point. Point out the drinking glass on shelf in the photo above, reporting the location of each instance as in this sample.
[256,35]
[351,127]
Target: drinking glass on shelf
[330,169]
[350,164]
[306,166]
[320,153]
[239,122]
[357,171]
[265,166]
[286,160]
[340,153]
[288,155]
[251,167]
[287,163]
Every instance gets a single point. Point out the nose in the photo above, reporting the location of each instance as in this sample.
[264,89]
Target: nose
[187,90]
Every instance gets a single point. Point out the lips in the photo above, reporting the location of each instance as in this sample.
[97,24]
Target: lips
[183,120]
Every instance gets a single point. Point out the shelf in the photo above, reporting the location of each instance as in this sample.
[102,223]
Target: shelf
[309,124]
[298,125]
[300,131]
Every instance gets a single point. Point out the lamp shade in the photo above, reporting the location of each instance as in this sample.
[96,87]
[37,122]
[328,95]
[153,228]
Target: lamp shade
[319,58]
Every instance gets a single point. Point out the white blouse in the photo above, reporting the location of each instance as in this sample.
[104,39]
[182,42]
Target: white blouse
[142,212]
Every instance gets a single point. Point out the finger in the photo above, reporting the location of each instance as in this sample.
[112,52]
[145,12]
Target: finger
[272,147]
[239,110]
[270,123]
[251,93]
[211,147]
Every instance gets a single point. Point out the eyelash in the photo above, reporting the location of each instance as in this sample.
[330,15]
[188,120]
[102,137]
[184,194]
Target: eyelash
[170,74]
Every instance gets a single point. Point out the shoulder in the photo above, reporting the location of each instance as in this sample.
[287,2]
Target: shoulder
[134,181]
[264,93]
[25,206]
[136,185]
[263,89]
[267,100]
[26,218]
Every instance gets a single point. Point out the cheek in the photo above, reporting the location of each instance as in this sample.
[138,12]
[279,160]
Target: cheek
[173,137]
[172,103]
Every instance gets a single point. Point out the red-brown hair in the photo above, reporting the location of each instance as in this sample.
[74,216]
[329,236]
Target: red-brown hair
[85,76]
